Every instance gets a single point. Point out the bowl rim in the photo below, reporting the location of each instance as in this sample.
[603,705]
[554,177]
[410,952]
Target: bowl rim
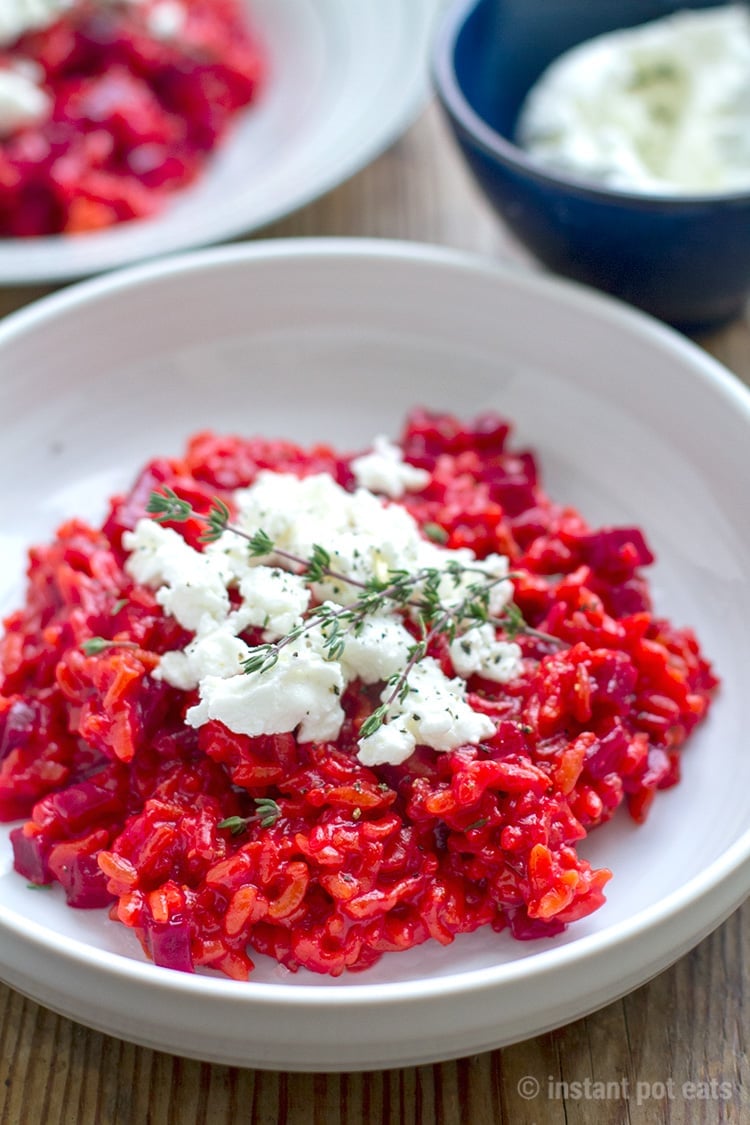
[725,881]
[494,144]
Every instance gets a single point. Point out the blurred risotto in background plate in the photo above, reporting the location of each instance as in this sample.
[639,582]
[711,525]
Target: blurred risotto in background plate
[107,107]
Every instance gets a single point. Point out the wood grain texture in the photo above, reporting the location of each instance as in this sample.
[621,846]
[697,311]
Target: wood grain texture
[628,1063]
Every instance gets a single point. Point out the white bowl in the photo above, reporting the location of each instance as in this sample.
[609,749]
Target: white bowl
[326,340]
[344,80]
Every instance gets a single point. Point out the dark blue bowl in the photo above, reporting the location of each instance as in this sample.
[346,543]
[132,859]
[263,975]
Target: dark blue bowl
[685,259]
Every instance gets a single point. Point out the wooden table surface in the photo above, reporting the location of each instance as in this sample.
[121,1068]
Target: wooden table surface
[634,1061]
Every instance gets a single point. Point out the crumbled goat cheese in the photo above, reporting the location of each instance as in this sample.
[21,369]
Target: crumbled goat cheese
[662,107]
[302,690]
[494,568]
[365,538]
[216,651]
[166,19]
[22,101]
[272,599]
[190,584]
[384,470]
[478,651]
[19,16]
[434,713]
[376,651]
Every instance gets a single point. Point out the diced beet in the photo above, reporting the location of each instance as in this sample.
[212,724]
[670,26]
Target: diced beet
[615,679]
[17,725]
[512,483]
[83,805]
[615,551]
[627,598]
[524,928]
[84,884]
[169,944]
[603,757]
[489,433]
[30,854]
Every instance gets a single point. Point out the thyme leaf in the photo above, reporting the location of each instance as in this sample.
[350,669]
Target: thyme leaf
[435,532]
[266,814]
[167,507]
[96,645]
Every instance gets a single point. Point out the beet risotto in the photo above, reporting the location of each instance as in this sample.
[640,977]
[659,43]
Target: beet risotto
[107,107]
[323,706]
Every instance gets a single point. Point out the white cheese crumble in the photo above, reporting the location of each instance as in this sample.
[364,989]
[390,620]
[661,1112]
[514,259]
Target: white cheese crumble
[191,585]
[166,19]
[362,536]
[22,100]
[272,599]
[662,107]
[434,713]
[19,16]
[365,537]
[378,650]
[302,690]
[384,470]
[479,651]
[214,651]
[492,569]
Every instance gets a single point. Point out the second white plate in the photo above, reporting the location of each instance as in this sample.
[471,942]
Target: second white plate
[344,80]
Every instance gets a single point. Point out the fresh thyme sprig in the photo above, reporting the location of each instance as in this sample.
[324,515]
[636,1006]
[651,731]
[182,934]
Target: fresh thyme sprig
[398,586]
[418,591]
[474,607]
[94,645]
[266,814]
[337,622]
[168,507]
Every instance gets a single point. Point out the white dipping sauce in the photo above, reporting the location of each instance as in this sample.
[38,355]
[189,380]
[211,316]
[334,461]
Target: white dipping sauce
[663,107]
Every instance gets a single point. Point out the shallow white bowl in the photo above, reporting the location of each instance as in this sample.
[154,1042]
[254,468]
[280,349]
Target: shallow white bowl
[345,78]
[326,340]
